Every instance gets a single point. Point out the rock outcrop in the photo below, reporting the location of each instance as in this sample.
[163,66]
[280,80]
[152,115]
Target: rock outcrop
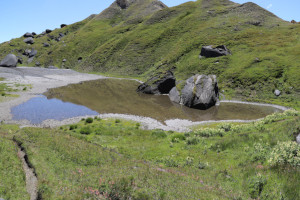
[9,61]
[160,84]
[209,51]
[199,91]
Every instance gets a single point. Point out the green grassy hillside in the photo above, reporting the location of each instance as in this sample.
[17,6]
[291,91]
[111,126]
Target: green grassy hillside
[115,159]
[145,39]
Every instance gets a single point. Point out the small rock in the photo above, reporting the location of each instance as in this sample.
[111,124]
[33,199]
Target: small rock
[61,35]
[277,93]
[63,25]
[9,61]
[298,139]
[32,53]
[48,31]
[29,40]
[209,51]
[20,59]
[26,52]
[33,33]
[28,35]
[30,60]
[64,60]
[52,67]
[46,45]
[37,64]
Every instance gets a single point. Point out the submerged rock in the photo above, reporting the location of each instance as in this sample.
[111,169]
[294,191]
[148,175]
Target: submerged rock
[159,84]
[9,61]
[209,51]
[199,91]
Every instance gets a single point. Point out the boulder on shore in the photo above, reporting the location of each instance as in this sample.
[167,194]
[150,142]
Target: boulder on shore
[199,91]
[210,52]
[9,61]
[160,84]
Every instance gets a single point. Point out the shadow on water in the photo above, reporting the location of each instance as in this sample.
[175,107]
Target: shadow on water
[119,96]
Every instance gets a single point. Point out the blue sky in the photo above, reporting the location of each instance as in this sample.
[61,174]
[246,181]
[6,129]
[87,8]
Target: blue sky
[19,16]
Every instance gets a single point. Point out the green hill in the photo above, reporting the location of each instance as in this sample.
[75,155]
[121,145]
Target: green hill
[143,37]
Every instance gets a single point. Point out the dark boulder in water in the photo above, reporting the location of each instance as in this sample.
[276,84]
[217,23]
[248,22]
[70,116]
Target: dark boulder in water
[160,84]
[199,91]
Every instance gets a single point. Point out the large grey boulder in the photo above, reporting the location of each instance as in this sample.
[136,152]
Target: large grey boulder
[199,91]
[159,84]
[29,40]
[209,51]
[9,61]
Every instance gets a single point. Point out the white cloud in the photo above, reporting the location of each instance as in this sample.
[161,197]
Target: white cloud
[269,6]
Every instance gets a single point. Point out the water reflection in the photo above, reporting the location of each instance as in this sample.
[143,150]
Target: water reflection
[119,96]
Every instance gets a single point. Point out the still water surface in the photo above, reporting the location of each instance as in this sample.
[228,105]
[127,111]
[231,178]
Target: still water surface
[119,96]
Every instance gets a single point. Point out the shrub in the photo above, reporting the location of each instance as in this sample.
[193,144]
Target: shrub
[225,126]
[159,134]
[260,152]
[137,125]
[256,185]
[89,120]
[285,153]
[192,141]
[117,121]
[177,137]
[72,127]
[86,130]
[209,132]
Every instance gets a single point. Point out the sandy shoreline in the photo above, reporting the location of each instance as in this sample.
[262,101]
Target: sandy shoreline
[42,79]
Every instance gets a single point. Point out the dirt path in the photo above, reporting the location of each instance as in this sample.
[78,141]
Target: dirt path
[31,179]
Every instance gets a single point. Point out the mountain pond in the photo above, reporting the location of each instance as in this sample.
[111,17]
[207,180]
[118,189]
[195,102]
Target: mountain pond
[119,96]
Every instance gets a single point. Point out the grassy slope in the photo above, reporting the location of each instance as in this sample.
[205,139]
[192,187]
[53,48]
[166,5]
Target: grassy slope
[173,37]
[73,165]
[12,177]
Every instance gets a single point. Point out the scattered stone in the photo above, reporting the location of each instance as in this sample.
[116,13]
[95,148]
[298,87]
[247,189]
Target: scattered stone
[9,61]
[48,31]
[298,139]
[257,60]
[37,64]
[199,91]
[277,93]
[64,60]
[63,25]
[61,35]
[160,84]
[30,60]
[209,51]
[33,33]
[29,40]
[123,3]
[28,35]
[20,59]
[46,45]
[79,59]
[32,53]
[52,67]
[57,39]
[26,52]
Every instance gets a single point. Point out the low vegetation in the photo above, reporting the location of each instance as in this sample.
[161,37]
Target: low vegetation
[118,160]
